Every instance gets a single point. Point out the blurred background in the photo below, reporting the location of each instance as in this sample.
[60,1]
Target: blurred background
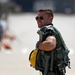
[19,18]
[58,6]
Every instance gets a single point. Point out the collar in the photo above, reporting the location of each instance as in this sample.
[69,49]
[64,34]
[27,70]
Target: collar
[50,24]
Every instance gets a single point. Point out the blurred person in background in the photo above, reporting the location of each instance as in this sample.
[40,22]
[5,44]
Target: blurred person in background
[4,33]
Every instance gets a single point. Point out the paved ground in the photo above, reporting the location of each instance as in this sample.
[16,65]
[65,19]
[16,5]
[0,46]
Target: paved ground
[15,62]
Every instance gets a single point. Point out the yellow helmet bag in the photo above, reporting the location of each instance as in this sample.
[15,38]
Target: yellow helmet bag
[32,57]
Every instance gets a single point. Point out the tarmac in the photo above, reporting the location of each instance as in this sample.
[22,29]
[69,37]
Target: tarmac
[24,26]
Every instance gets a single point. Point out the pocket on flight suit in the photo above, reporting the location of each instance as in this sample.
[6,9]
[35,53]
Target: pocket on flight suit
[51,73]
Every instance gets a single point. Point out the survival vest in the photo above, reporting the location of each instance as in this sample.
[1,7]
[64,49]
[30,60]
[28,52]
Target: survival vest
[58,57]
